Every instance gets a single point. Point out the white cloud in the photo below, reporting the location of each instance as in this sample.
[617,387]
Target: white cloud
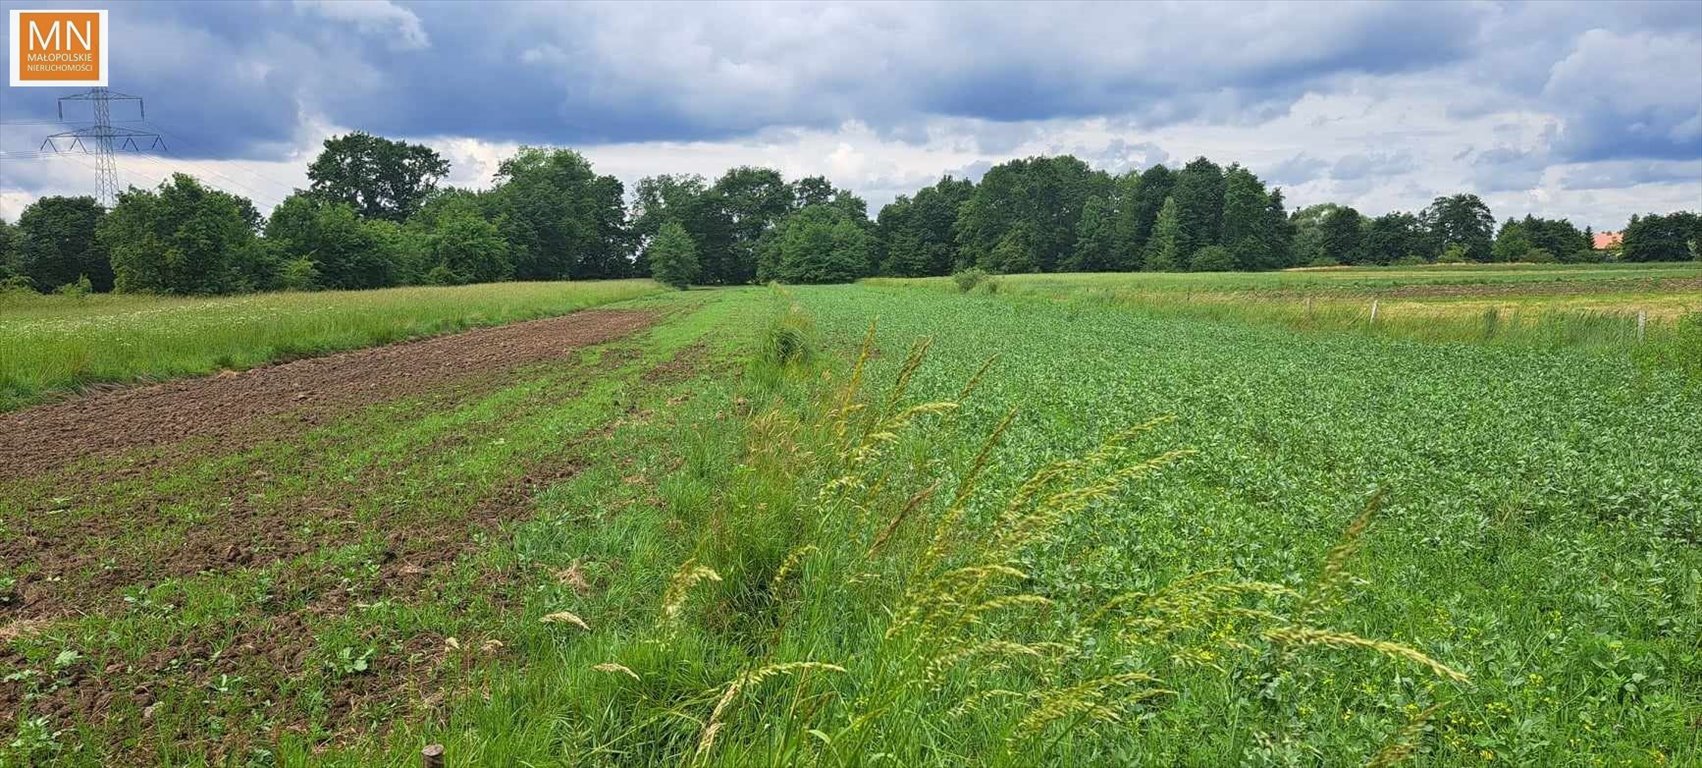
[1541,108]
[373,17]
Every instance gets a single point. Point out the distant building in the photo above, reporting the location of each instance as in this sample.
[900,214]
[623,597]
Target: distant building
[1607,240]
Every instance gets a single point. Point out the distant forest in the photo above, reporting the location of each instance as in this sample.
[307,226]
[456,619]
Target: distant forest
[375,214]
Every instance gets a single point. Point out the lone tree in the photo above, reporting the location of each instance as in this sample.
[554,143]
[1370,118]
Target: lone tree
[673,257]
[378,177]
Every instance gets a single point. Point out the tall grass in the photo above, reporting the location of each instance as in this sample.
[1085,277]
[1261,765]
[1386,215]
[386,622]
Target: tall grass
[859,598]
[1553,306]
[52,344]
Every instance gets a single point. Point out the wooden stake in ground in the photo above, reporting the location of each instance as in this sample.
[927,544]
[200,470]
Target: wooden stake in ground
[1642,323]
[1374,311]
[432,756]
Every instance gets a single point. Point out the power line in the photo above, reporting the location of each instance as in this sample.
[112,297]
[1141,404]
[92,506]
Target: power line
[291,186]
[103,138]
[57,122]
[244,187]
[81,160]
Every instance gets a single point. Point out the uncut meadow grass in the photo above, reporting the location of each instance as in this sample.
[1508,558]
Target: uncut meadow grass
[51,344]
[1546,305]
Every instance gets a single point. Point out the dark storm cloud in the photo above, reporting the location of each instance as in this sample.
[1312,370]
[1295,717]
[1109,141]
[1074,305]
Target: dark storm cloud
[237,79]
[251,80]
[1632,173]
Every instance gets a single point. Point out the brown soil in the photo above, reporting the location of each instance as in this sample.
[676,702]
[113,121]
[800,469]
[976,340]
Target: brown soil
[232,410]
[272,644]
[80,563]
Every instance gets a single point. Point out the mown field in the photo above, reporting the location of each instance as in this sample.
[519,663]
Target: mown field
[53,344]
[754,532]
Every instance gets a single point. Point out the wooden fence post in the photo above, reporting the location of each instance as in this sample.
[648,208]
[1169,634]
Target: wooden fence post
[1373,311]
[1642,323]
[432,756]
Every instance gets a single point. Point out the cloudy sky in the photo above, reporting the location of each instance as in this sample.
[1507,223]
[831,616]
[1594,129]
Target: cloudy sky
[1588,111]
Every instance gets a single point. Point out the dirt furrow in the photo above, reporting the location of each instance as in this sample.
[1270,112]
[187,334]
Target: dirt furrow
[233,410]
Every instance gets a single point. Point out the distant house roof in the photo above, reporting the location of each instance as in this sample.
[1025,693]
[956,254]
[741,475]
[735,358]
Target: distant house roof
[1606,240]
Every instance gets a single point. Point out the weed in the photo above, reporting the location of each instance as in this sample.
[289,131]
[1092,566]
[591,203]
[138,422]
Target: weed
[967,279]
[348,661]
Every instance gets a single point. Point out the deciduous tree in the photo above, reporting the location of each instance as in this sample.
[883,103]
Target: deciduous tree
[1463,220]
[57,244]
[1199,204]
[379,178]
[819,244]
[181,237]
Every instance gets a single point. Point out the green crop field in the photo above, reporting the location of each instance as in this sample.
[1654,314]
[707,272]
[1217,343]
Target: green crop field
[895,524]
[51,344]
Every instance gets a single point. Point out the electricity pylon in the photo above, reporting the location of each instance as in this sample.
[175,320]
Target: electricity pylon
[102,140]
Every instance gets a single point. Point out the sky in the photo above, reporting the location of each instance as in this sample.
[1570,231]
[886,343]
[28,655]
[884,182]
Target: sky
[1588,111]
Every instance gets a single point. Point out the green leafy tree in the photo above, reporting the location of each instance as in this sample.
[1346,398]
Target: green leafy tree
[181,237]
[57,243]
[1342,235]
[1673,237]
[1143,197]
[1013,254]
[1164,248]
[561,220]
[819,244]
[410,246]
[1511,243]
[377,177]
[684,199]
[1278,231]
[663,199]
[1308,227]
[673,257]
[1039,198]
[298,275]
[749,202]
[1212,258]
[11,264]
[1561,238]
[347,253]
[1199,204]
[1253,232]
[812,190]
[1096,239]
[915,233]
[469,249]
[1462,220]
[1395,236]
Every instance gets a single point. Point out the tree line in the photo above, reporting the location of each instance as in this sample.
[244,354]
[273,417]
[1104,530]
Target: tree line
[375,214]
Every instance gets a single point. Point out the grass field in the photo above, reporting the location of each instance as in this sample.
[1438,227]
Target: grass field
[755,534]
[54,344]
[1584,304]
